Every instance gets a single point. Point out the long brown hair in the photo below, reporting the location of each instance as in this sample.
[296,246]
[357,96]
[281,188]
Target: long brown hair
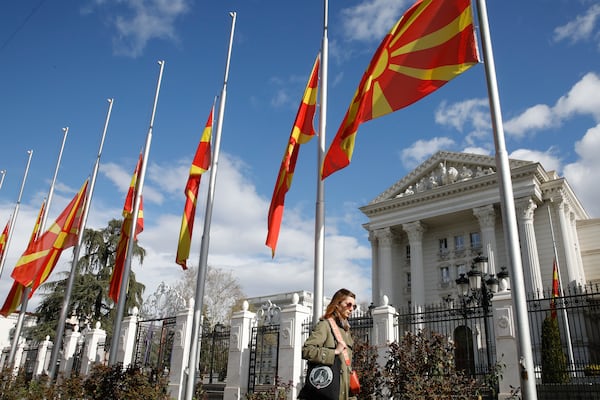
[334,309]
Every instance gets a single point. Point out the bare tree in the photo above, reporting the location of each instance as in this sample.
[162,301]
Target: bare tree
[222,291]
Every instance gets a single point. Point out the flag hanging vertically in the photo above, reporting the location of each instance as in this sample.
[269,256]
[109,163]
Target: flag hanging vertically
[4,239]
[200,165]
[432,43]
[302,132]
[116,280]
[555,289]
[38,261]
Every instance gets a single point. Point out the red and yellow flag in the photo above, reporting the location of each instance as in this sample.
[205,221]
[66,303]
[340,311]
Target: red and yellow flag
[200,165]
[4,239]
[38,261]
[15,295]
[555,289]
[13,299]
[116,280]
[432,43]
[302,132]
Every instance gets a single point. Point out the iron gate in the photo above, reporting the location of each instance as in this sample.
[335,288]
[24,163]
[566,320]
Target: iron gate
[154,344]
[214,352]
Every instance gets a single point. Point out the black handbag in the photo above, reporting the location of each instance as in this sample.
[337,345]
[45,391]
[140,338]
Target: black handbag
[322,382]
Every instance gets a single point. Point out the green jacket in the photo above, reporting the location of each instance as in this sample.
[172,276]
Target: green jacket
[320,348]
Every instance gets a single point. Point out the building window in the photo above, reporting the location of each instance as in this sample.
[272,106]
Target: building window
[459,242]
[461,269]
[475,240]
[445,275]
[408,252]
[443,246]
[408,280]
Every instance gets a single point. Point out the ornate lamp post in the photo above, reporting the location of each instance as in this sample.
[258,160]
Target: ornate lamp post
[477,289]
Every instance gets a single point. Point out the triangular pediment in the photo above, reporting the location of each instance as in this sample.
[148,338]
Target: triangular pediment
[441,169]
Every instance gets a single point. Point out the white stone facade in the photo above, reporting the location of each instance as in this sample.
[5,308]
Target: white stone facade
[426,228]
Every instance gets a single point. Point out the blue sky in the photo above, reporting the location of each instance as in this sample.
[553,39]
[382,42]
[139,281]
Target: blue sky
[61,60]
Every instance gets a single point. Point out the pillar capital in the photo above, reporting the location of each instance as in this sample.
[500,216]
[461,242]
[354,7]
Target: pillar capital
[414,230]
[486,215]
[384,236]
[525,208]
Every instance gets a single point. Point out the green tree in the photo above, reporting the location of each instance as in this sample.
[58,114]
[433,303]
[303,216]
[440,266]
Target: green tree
[89,297]
[554,361]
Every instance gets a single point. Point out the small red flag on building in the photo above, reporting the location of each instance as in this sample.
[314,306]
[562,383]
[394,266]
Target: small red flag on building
[116,280]
[432,43]
[555,289]
[200,165]
[302,132]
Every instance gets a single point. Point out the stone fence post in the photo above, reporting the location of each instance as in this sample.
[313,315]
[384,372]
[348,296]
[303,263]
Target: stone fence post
[239,354]
[91,356]
[127,338]
[181,350]
[506,343]
[292,318]
[42,359]
[69,347]
[384,331]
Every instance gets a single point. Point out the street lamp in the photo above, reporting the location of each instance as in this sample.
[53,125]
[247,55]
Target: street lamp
[477,289]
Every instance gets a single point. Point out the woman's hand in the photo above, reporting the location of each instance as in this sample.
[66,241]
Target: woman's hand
[339,348]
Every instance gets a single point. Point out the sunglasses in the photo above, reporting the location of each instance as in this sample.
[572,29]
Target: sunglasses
[349,305]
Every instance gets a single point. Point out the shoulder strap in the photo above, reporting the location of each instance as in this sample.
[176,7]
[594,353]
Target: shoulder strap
[338,337]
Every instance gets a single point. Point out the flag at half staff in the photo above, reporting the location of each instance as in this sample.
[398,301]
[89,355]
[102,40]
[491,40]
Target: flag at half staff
[433,42]
[555,289]
[15,295]
[116,280]
[302,132]
[4,239]
[200,165]
[41,256]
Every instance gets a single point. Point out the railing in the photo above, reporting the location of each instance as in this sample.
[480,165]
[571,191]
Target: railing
[264,355]
[154,344]
[214,352]
[565,333]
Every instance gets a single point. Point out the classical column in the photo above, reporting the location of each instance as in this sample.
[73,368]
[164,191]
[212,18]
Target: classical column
[576,250]
[180,352]
[375,287]
[572,273]
[415,232]
[90,356]
[486,216]
[385,238]
[531,262]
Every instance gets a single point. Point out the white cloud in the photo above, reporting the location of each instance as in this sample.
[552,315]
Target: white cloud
[537,117]
[237,237]
[142,21]
[583,27]
[469,113]
[372,20]
[549,160]
[582,99]
[583,171]
[422,149]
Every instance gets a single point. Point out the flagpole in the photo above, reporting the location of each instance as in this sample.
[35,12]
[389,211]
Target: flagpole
[60,329]
[562,294]
[15,212]
[202,265]
[320,203]
[139,188]
[27,290]
[507,203]
[3,172]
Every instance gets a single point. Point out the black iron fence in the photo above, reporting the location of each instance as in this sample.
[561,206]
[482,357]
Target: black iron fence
[264,355]
[468,326]
[565,333]
[154,344]
[214,353]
